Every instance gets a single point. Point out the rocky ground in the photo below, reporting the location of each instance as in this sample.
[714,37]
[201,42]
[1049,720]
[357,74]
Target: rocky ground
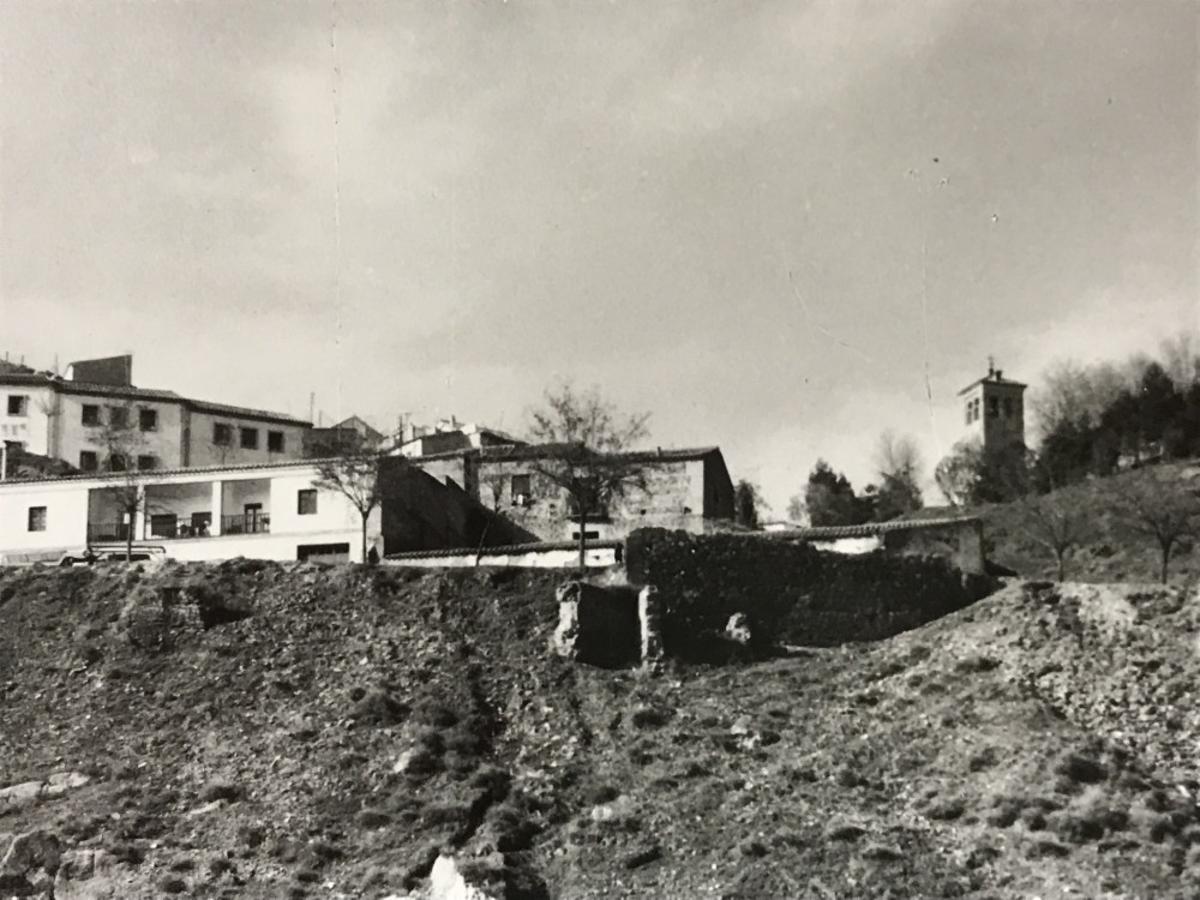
[260,731]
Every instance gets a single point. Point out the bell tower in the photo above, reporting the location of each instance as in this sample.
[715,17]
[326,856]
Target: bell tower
[994,410]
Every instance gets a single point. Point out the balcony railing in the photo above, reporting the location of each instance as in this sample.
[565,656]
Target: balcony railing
[259,523]
[99,533]
[247,523]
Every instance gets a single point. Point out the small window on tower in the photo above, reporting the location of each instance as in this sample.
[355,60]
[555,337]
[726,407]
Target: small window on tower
[1008,407]
[993,407]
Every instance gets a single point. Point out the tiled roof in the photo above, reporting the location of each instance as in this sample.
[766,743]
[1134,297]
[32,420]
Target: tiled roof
[1004,382]
[542,451]
[534,547]
[224,409]
[868,529]
[150,475]
[129,392]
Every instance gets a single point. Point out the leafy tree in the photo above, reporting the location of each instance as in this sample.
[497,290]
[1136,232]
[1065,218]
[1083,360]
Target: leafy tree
[829,498]
[1160,508]
[1159,403]
[747,503]
[354,473]
[589,439]
[970,474]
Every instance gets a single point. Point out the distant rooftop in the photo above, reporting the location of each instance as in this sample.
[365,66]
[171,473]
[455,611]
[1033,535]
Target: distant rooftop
[111,380]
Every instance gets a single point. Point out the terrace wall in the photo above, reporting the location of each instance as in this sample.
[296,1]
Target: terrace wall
[791,591]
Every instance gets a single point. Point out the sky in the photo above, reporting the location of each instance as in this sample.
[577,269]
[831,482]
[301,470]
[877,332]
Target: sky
[778,227]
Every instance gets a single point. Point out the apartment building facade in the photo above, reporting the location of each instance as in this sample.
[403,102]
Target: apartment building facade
[269,511]
[73,420]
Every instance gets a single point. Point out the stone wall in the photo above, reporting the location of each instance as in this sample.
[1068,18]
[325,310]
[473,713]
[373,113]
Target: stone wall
[790,591]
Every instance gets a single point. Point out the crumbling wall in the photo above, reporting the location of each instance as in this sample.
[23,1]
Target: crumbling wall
[791,592]
[598,625]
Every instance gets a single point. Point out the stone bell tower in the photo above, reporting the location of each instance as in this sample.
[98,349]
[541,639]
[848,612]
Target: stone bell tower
[994,410]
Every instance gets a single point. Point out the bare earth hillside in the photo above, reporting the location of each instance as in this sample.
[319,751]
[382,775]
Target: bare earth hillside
[260,731]
[1109,549]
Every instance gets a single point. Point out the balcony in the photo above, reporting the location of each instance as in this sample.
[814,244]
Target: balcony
[246,523]
[99,533]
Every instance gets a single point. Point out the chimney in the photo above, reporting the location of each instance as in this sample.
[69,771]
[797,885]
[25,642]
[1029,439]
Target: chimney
[991,367]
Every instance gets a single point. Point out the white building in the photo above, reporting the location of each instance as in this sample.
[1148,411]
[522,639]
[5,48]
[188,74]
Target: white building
[269,511]
[66,419]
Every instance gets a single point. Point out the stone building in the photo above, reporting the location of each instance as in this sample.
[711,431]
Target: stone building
[688,489]
[994,411]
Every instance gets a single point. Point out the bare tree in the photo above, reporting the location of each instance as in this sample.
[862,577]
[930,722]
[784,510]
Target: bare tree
[123,444]
[494,481]
[587,456]
[899,464]
[354,474]
[1159,508]
[1181,358]
[1057,524]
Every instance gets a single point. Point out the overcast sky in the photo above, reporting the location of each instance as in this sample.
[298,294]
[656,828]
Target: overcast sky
[777,226]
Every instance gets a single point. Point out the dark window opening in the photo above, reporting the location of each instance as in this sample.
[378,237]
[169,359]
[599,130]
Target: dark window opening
[37,518]
[118,417]
[993,407]
[522,489]
[18,405]
[88,461]
[118,463]
[164,525]
[147,462]
[306,502]
[323,553]
[91,414]
[249,438]
[589,535]
[275,441]
[148,419]
[222,434]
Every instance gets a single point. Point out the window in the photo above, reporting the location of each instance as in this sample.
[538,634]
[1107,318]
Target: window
[147,462]
[1008,407]
[522,489]
[88,461]
[148,419]
[37,518]
[588,535]
[118,417]
[18,405]
[993,407]
[164,525]
[970,409]
[91,414]
[306,502]
[275,441]
[222,434]
[249,438]
[117,462]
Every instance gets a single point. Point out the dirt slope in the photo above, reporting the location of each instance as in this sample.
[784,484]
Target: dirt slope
[254,730]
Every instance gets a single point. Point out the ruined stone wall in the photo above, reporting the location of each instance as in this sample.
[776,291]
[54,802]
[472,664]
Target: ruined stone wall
[791,591]
[674,498]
